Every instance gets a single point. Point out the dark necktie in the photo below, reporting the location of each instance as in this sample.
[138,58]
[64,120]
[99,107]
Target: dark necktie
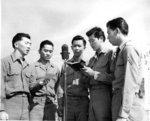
[117,52]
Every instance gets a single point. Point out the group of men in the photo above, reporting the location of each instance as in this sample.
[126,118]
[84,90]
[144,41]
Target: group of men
[106,89]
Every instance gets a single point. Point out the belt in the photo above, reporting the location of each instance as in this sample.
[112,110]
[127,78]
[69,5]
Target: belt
[116,89]
[43,99]
[76,97]
[18,94]
[97,87]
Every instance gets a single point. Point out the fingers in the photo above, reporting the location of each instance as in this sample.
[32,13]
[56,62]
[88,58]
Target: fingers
[4,116]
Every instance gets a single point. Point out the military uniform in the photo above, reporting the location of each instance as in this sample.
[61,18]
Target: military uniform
[77,94]
[100,85]
[42,106]
[126,102]
[14,88]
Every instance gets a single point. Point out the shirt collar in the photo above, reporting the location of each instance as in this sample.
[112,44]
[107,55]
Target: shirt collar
[15,58]
[39,63]
[104,50]
[123,45]
[72,60]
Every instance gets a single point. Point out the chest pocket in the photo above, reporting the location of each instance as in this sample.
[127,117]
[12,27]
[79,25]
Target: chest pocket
[13,70]
[13,73]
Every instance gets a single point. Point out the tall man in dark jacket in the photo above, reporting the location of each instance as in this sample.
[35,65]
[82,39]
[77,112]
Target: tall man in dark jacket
[100,72]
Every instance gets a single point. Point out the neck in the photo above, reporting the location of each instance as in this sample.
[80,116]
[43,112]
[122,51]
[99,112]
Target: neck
[18,54]
[77,58]
[44,61]
[122,39]
[100,48]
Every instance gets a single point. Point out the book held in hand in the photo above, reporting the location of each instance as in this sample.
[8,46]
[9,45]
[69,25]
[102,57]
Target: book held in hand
[77,66]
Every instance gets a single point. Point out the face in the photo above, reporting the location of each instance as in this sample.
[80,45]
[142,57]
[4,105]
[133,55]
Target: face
[46,52]
[24,46]
[112,36]
[95,42]
[78,47]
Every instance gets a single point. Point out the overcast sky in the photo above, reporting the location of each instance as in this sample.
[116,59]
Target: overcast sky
[60,20]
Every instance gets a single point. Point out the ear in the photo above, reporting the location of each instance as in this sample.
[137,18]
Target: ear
[16,44]
[117,30]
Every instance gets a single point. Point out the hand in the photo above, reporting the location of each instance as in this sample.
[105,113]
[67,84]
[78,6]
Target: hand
[121,119]
[44,82]
[60,111]
[88,71]
[4,116]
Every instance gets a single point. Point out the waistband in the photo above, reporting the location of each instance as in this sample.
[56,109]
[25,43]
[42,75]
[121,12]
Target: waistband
[116,89]
[99,86]
[76,97]
[18,94]
[43,99]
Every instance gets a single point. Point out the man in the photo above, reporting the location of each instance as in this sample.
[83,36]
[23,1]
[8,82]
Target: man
[43,81]
[14,84]
[100,71]
[77,84]
[125,102]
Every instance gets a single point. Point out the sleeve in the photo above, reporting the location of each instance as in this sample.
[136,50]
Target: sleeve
[61,84]
[58,88]
[2,86]
[131,78]
[107,77]
[33,84]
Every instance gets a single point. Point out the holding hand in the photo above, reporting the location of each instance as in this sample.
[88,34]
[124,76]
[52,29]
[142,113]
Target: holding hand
[88,71]
[121,119]
[4,116]
[44,82]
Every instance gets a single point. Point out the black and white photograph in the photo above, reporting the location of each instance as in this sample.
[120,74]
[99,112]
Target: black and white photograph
[75,60]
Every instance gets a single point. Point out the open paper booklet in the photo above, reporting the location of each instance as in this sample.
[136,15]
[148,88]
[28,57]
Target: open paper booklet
[77,66]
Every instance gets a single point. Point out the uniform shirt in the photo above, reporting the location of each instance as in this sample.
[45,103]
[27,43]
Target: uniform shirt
[127,75]
[13,78]
[77,83]
[103,64]
[39,72]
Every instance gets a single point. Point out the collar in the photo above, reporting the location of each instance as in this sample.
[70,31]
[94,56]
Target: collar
[40,64]
[123,45]
[72,60]
[15,57]
[104,50]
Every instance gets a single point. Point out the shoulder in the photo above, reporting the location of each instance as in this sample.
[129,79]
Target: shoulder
[54,66]
[131,49]
[6,60]
[110,52]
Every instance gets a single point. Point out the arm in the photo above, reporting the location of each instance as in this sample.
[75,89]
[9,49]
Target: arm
[33,84]
[131,78]
[3,114]
[105,77]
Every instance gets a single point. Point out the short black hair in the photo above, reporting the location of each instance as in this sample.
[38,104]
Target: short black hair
[118,23]
[46,42]
[79,37]
[18,37]
[97,31]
